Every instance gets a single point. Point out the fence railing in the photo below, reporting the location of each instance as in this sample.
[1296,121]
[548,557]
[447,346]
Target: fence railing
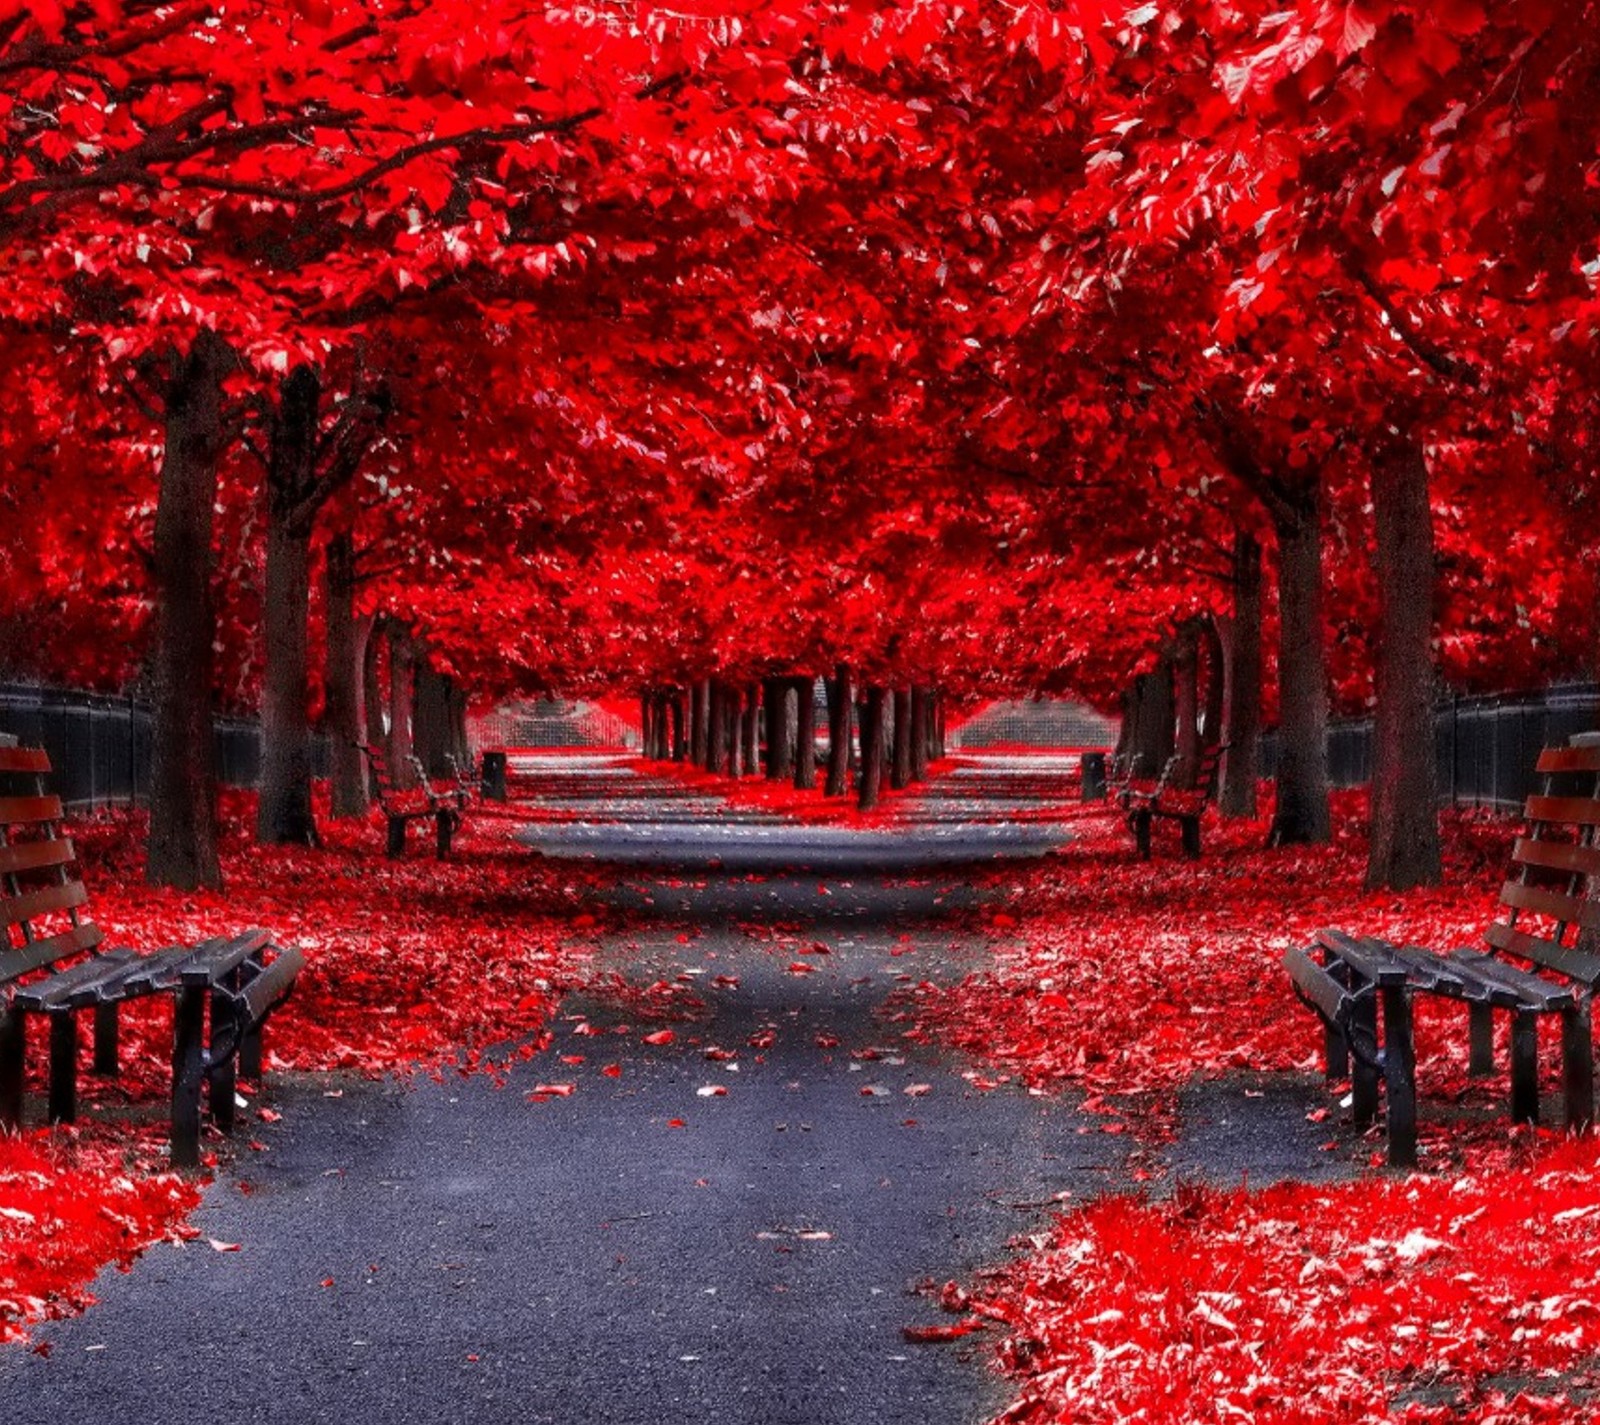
[99,745]
[1484,746]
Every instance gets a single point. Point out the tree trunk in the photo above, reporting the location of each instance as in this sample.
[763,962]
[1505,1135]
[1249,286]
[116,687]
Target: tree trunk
[182,846]
[921,700]
[1404,847]
[1151,739]
[1300,815]
[780,745]
[372,693]
[869,783]
[402,674]
[1241,663]
[699,712]
[343,663]
[838,688]
[735,702]
[716,730]
[805,761]
[1186,704]
[750,729]
[900,775]
[283,815]
[675,725]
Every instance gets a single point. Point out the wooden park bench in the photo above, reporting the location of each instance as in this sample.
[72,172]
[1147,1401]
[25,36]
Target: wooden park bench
[1184,805]
[401,807]
[52,963]
[1541,958]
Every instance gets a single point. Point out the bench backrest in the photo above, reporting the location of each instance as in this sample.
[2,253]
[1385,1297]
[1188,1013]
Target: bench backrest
[1551,916]
[1206,772]
[43,901]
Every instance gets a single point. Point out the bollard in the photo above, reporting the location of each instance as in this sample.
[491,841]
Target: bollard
[1094,776]
[494,777]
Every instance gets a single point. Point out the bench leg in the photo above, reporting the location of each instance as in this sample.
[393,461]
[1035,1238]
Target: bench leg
[223,1076]
[1364,1077]
[1480,1043]
[188,1075]
[444,826]
[63,1066]
[1189,828]
[1577,1064]
[13,1050]
[1140,821]
[1400,1076]
[1524,1068]
[105,1039]
[397,838]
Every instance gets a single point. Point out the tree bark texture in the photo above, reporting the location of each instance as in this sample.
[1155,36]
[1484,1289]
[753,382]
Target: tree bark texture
[869,782]
[402,675]
[1404,847]
[805,755]
[838,689]
[1241,662]
[1300,815]
[344,660]
[900,773]
[182,846]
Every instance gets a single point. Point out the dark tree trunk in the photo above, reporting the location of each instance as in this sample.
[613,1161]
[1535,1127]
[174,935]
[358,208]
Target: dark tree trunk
[717,730]
[869,783]
[431,719]
[182,847]
[372,693]
[805,760]
[735,731]
[921,700]
[343,664]
[675,720]
[402,674]
[900,775]
[838,688]
[780,744]
[460,744]
[283,814]
[1404,849]
[750,729]
[647,732]
[1300,815]
[939,750]
[1213,683]
[1151,740]
[1240,636]
[699,717]
[1186,704]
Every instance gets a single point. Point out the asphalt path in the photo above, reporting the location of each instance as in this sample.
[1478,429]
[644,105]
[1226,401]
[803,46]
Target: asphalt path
[466,1252]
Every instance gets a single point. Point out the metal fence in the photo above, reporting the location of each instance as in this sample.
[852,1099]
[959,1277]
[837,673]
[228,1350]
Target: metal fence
[1485,746]
[99,746]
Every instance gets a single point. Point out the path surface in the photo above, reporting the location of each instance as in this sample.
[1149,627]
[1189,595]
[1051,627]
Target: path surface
[466,1252]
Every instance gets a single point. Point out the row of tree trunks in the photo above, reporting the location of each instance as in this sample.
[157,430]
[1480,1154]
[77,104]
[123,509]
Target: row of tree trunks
[731,726]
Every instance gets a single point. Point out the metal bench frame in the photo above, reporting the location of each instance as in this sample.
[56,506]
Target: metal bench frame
[1539,961]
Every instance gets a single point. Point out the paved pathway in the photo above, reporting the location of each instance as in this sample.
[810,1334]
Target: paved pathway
[462,1252]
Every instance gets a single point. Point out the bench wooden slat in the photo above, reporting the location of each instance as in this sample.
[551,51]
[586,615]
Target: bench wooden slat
[64,986]
[1533,991]
[273,984]
[36,855]
[18,962]
[1569,759]
[1435,973]
[1317,985]
[1577,811]
[24,759]
[1569,910]
[24,811]
[1580,964]
[46,900]
[209,962]
[1557,856]
[1367,957]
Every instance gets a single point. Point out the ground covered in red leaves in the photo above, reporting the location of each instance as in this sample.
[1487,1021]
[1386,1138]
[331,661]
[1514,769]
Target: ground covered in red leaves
[412,965]
[1470,1291]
